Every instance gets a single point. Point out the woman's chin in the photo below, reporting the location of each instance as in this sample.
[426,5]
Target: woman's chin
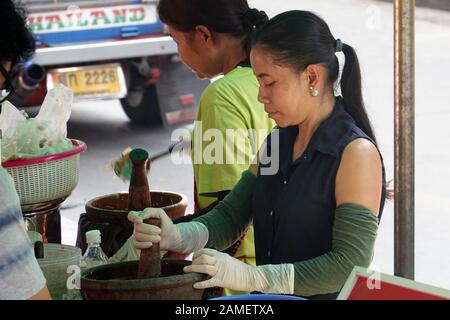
[275,116]
[200,76]
[283,123]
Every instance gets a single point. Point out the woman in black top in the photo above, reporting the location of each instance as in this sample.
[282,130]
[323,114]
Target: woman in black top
[318,192]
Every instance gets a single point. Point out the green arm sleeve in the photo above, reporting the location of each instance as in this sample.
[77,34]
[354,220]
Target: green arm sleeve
[354,233]
[232,216]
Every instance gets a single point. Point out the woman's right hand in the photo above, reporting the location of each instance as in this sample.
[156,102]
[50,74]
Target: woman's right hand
[146,234]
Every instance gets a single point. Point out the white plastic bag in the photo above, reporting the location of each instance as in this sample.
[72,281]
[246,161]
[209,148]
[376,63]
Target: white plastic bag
[25,138]
[56,109]
[9,118]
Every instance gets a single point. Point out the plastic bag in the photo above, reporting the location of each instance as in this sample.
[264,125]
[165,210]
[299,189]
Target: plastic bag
[25,138]
[56,109]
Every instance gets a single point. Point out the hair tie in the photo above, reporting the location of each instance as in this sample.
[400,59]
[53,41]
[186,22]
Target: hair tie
[255,17]
[339,45]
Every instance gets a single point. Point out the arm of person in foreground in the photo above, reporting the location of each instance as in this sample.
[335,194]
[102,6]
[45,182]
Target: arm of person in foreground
[358,192]
[41,295]
[20,275]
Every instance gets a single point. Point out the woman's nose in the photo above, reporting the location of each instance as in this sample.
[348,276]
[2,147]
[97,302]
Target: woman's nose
[262,97]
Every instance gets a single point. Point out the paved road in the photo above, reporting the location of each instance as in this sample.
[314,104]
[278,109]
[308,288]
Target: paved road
[366,25]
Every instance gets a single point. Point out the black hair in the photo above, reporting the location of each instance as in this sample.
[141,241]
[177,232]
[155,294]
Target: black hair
[300,38]
[16,41]
[233,17]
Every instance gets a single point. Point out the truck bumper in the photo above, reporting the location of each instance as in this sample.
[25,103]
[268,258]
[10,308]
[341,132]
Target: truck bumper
[112,50]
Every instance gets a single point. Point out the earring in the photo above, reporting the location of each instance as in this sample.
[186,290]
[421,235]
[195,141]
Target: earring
[314,92]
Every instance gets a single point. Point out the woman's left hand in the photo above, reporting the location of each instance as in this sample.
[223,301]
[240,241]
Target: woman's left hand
[224,270]
[228,272]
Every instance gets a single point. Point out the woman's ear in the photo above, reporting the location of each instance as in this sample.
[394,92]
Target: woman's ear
[204,35]
[314,74]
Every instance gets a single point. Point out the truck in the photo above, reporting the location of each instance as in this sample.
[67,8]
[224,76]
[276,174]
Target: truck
[107,49]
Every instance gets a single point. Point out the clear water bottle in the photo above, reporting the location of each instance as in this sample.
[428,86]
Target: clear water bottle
[94,254]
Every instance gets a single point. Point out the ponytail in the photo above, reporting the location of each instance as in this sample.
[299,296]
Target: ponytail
[352,91]
[253,19]
[300,38]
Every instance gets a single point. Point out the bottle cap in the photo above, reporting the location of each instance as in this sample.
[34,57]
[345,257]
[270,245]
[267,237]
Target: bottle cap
[138,155]
[93,236]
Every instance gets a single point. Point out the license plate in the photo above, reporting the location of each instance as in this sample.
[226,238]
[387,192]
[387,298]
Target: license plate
[105,81]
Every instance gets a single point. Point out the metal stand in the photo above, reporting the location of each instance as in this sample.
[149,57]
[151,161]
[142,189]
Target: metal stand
[404,138]
[44,218]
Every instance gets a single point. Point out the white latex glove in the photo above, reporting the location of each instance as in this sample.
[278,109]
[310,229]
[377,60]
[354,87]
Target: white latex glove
[146,234]
[228,272]
[182,237]
[126,253]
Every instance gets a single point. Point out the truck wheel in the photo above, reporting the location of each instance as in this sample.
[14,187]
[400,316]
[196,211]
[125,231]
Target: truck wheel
[141,106]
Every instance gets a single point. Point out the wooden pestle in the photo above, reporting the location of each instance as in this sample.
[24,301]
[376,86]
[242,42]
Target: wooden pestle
[138,199]
[150,260]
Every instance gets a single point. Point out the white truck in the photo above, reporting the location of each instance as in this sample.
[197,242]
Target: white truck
[108,49]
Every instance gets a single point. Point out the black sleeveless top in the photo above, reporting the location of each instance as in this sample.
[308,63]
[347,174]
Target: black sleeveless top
[294,208]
